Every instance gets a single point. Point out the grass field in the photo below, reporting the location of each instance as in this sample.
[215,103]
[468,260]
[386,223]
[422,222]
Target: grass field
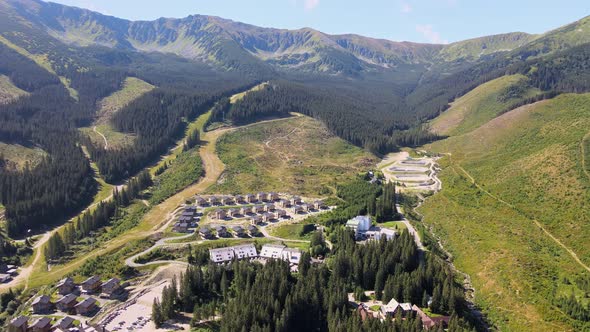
[19,155]
[289,231]
[8,91]
[295,155]
[393,225]
[505,180]
[480,105]
[241,95]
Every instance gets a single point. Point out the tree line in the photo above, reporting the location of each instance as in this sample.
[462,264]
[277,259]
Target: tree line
[254,297]
[60,242]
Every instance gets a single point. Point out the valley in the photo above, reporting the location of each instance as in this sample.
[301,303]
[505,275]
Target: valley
[204,174]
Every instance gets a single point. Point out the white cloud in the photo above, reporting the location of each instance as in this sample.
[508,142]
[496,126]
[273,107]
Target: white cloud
[432,36]
[406,8]
[310,4]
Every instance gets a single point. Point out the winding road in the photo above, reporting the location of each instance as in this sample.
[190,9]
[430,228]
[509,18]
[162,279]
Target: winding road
[106,143]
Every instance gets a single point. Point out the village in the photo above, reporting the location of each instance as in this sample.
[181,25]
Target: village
[111,305]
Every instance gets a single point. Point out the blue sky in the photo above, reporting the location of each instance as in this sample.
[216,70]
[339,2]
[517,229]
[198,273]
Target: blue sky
[434,21]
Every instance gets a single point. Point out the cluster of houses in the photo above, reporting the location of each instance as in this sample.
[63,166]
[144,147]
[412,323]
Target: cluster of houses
[69,301]
[267,206]
[364,230]
[188,219]
[43,324]
[393,308]
[7,272]
[245,251]
[221,231]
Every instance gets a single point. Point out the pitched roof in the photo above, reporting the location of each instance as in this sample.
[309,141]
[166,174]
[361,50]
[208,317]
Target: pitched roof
[65,281]
[41,322]
[19,321]
[65,322]
[91,280]
[87,303]
[67,299]
[111,282]
[44,299]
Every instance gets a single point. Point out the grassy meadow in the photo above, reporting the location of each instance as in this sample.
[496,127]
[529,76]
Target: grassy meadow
[522,168]
[482,104]
[295,155]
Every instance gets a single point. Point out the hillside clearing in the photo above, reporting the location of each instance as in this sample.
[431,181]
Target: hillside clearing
[132,89]
[295,155]
[482,104]
[18,156]
[8,91]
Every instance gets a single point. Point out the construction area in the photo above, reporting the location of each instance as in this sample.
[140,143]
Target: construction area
[411,173]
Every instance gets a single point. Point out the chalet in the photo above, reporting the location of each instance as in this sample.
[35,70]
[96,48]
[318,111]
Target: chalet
[227,200]
[220,255]
[250,198]
[42,304]
[12,272]
[245,251]
[221,231]
[213,200]
[19,324]
[291,255]
[261,196]
[392,308]
[281,213]
[86,307]
[200,201]
[295,200]
[246,210]
[181,227]
[190,208]
[359,224]
[239,199]
[205,232]
[111,287]
[67,303]
[297,209]
[318,205]
[253,230]
[238,230]
[234,212]
[307,207]
[272,196]
[91,285]
[185,219]
[266,217]
[269,207]
[219,214]
[188,214]
[255,220]
[64,324]
[284,203]
[65,286]
[43,324]
[272,251]
[258,208]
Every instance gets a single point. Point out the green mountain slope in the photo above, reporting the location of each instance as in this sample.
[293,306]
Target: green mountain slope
[529,166]
[482,104]
[475,48]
